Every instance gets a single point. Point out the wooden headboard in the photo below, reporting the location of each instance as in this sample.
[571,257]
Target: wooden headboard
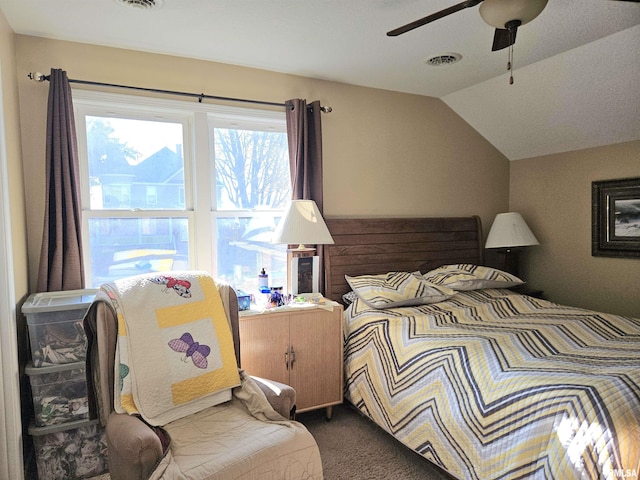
[379,245]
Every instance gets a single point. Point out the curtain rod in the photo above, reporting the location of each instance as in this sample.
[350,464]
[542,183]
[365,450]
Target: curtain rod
[41,77]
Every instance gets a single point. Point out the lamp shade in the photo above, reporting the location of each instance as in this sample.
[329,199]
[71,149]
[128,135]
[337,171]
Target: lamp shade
[510,230]
[302,223]
[498,12]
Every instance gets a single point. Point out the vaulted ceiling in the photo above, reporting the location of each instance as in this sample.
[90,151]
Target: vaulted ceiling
[577,65]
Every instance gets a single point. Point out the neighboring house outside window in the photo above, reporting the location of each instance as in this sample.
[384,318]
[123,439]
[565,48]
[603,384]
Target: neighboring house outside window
[172,185]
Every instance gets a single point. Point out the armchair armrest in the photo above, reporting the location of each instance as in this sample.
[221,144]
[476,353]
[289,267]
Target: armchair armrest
[282,397]
[134,448]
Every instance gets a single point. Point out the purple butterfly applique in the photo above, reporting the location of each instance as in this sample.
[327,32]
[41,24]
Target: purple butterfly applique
[191,348]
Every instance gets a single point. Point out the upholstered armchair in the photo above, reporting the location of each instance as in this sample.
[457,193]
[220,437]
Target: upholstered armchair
[237,439]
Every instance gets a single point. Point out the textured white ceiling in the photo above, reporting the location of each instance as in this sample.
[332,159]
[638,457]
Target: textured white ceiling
[577,65]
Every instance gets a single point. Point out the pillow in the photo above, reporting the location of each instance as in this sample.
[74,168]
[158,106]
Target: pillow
[397,289]
[463,276]
[349,297]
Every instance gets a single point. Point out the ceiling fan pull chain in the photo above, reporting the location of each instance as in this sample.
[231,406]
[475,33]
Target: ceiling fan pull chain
[510,64]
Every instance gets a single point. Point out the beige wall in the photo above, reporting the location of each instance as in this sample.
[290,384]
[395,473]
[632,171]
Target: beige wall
[554,195]
[385,153]
[14,156]
[13,278]
[17,214]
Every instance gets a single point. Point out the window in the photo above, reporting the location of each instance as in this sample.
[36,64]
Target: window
[152,196]
[170,185]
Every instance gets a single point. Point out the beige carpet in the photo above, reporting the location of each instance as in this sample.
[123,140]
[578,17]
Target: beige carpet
[354,448]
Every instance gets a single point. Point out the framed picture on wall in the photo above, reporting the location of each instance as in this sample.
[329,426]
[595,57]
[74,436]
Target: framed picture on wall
[615,229]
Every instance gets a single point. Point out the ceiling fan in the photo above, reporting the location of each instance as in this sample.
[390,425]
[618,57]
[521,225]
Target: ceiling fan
[505,15]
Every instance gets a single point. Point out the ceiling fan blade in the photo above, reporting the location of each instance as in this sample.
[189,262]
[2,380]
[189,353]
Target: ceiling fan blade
[430,18]
[503,38]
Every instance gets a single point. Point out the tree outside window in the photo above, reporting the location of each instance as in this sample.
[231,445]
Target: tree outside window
[253,182]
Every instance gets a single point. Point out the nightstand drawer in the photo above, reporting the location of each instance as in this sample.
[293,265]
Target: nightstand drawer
[526,290]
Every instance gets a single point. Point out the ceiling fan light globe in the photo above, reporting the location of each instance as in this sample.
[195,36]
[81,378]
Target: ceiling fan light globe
[498,12]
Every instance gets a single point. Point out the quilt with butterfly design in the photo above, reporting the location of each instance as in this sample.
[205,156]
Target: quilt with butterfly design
[174,353]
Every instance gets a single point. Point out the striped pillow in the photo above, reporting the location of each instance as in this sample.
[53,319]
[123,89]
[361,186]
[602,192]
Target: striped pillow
[463,276]
[397,289]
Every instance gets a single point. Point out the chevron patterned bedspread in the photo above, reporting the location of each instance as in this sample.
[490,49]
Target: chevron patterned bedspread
[494,385]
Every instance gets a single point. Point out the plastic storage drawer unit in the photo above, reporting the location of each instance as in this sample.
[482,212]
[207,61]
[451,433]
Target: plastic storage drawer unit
[54,320]
[70,451]
[59,393]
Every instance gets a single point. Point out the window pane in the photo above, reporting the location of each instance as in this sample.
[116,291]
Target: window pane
[244,248]
[121,247]
[135,164]
[252,169]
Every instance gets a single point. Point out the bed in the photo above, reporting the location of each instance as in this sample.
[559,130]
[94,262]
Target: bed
[482,381]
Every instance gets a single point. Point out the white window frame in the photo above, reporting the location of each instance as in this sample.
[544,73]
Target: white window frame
[199,121]
[242,119]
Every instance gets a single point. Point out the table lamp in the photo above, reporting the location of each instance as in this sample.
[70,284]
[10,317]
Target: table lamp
[302,224]
[508,234]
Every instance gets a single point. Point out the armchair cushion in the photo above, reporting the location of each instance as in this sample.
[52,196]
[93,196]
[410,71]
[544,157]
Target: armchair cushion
[238,447]
[241,439]
[136,449]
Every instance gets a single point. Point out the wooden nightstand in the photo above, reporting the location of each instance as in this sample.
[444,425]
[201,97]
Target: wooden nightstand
[526,290]
[298,346]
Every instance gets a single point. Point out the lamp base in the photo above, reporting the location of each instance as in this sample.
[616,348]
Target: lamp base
[510,261]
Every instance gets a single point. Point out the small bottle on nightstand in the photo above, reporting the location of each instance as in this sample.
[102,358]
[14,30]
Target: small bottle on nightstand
[263,282]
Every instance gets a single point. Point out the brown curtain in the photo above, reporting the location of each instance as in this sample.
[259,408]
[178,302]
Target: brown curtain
[61,265]
[305,158]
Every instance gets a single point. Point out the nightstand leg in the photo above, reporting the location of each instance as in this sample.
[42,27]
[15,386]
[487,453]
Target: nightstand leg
[328,412]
